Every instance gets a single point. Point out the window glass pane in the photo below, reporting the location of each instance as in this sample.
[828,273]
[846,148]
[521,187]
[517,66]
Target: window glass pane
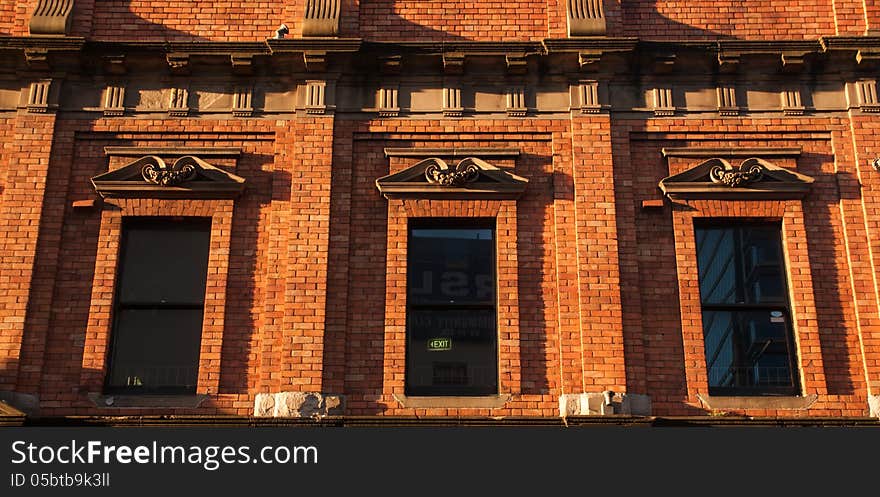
[740,265]
[747,349]
[717,264]
[164,261]
[763,277]
[156,348]
[451,352]
[451,266]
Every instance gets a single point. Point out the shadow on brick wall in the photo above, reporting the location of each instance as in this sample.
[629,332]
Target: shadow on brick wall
[535,321]
[641,19]
[117,21]
[832,293]
[242,330]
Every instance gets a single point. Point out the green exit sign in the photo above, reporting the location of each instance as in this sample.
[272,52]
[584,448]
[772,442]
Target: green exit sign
[439,344]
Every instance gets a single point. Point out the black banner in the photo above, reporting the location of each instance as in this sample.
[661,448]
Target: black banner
[497,460]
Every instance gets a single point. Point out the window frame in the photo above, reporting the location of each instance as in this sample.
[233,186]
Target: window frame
[176,223]
[785,306]
[453,223]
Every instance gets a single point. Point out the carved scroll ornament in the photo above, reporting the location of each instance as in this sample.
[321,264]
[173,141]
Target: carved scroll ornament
[736,177]
[465,172]
[158,173]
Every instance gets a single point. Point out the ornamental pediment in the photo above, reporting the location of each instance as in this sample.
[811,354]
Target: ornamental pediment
[752,178]
[470,178]
[152,177]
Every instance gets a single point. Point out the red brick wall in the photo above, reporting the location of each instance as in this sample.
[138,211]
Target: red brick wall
[193,20]
[14,17]
[443,20]
[850,16]
[71,364]
[374,261]
[862,213]
[759,19]
[820,282]
[596,292]
[872,14]
[188,20]
[25,156]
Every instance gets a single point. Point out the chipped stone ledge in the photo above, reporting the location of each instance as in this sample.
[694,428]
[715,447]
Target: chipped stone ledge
[874,405]
[298,405]
[604,404]
[146,401]
[453,402]
[774,402]
[26,403]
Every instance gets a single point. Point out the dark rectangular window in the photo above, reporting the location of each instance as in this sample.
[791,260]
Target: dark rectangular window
[160,299]
[746,318]
[451,332]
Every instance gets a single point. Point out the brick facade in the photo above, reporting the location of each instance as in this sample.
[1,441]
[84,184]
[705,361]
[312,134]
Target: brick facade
[597,278]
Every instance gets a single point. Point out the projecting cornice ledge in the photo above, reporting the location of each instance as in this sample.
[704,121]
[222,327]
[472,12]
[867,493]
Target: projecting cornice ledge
[288,45]
[593,43]
[782,402]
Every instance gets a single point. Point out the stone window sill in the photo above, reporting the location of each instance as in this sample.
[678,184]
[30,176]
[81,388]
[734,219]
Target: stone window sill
[147,401]
[484,402]
[769,402]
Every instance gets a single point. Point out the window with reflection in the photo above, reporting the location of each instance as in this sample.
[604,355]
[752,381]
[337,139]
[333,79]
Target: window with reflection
[745,306]
[160,296]
[451,314]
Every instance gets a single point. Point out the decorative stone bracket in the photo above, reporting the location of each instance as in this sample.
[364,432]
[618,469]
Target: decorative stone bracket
[585,17]
[321,18]
[51,17]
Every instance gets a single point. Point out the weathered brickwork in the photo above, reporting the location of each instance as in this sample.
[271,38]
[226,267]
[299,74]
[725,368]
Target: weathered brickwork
[597,283]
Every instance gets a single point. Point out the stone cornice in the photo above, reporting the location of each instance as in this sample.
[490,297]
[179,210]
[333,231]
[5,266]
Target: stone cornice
[596,44]
[768,46]
[194,48]
[47,42]
[464,47]
[849,42]
[295,45]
